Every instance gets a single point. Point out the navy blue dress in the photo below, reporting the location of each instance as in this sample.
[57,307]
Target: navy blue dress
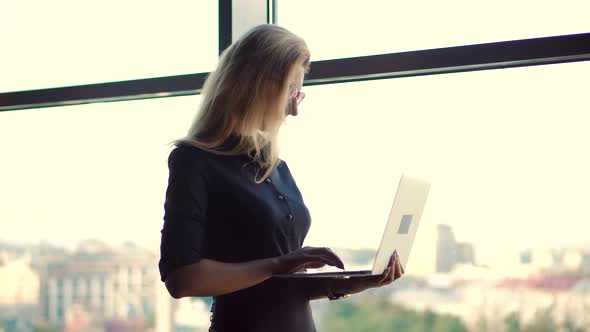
[214,209]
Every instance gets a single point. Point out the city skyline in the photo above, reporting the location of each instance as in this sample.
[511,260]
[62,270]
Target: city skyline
[98,286]
[500,261]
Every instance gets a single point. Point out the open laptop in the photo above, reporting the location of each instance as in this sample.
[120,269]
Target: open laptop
[399,233]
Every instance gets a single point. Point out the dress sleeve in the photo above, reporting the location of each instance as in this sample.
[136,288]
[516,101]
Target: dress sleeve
[184,211]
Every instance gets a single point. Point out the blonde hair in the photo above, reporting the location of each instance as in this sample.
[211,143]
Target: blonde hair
[247,96]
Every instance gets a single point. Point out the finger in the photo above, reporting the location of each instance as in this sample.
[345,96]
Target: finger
[296,268]
[391,276]
[318,259]
[329,254]
[391,267]
[398,261]
[398,271]
[391,260]
[314,265]
[305,260]
[334,256]
[387,274]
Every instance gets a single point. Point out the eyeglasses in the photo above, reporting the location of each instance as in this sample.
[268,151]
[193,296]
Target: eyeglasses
[298,95]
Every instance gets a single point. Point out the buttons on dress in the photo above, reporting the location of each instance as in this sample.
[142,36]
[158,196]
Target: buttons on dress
[290,217]
[280,197]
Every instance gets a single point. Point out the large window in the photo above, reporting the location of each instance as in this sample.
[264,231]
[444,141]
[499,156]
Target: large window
[502,244]
[504,150]
[95,170]
[82,205]
[67,42]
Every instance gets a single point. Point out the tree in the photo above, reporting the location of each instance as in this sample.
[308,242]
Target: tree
[542,322]
[570,326]
[380,315]
[481,325]
[512,322]
[45,329]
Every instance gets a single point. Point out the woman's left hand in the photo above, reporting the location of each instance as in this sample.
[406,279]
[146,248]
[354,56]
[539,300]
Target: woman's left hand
[355,285]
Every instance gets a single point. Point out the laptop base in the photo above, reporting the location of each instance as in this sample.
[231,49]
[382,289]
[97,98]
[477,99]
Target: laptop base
[343,275]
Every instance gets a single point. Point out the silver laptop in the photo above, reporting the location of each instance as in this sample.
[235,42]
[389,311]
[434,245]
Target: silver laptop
[399,233]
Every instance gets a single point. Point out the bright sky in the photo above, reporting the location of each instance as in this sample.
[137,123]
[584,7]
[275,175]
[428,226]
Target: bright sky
[505,150]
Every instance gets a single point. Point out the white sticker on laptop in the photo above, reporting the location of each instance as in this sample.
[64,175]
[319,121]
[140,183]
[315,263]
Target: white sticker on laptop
[404,226]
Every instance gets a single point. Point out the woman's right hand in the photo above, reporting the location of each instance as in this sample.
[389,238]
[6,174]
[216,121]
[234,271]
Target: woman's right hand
[307,257]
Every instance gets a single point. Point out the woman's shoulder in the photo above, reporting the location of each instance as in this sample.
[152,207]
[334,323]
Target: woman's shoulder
[187,150]
[283,169]
[188,154]
[282,164]
[197,155]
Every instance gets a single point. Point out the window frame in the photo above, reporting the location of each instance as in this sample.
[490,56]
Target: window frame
[496,55]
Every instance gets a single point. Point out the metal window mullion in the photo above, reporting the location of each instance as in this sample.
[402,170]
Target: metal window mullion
[508,54]
[225,24]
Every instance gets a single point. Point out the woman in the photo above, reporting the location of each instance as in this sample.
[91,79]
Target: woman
[233,213]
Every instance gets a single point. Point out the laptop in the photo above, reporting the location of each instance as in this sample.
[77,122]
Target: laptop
[399,234]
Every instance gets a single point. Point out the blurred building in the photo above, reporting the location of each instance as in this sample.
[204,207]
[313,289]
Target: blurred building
[191,315]
[526,256]
[445,249]
[19,287]
[19,284]
[164,312]
[585,262]
[573,261]
[98,284]
[465,253]
[562,297]
[449,252]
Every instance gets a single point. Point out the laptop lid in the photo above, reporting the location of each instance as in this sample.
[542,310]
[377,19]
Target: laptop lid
[404,218]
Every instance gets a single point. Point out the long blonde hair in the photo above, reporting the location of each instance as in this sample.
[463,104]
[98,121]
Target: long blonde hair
[247,96]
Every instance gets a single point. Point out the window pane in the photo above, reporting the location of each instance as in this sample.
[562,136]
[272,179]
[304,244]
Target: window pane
[68,42]
[91,168]
[338,29]
[82,204]
[505,151]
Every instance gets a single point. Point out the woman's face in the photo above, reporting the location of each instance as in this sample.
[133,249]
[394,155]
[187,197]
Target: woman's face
[295,94]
